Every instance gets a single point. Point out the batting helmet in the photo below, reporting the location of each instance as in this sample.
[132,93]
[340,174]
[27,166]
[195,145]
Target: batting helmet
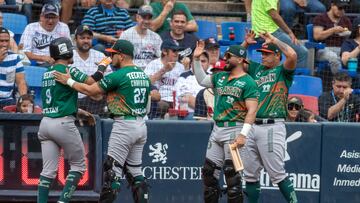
[61,48]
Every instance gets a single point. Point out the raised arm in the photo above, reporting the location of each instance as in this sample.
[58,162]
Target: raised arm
[202,78]
[281,23]
[159,20]
[290,54]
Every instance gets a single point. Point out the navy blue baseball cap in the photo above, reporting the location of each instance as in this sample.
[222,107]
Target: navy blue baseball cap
[171,44]
[50,9]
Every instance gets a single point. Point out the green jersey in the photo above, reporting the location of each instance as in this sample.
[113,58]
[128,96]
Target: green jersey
[60,100]
[230,96]
[274,87]
[127,90]
[261,21]
[157,9]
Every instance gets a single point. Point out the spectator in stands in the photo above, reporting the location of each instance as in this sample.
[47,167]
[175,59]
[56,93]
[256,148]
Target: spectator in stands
[265,17]
[37,36]
[146,42]
[186,40]
[162,16]
[332,27]
[13,45]
[289,9]
[131,3]
[204,102]
[107,22]
[66,14]
[187,88]
[164,72]
[340,104]
[295,104]
[85,59]
[212,47]
[350,48]
[12,71]
[25,104]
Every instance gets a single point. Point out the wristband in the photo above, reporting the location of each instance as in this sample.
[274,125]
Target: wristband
[246,129]
[104,63]
[98,75]
[70,82]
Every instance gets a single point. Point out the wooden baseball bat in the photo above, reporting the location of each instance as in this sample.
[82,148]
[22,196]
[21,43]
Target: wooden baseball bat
[235,156]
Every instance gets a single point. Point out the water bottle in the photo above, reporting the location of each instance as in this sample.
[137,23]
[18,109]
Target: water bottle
[352,64]
[231,34]
[30,108]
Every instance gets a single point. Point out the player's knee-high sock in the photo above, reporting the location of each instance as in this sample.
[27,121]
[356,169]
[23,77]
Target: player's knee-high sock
[252,191]
[43,189]
[72,181]
[287,189]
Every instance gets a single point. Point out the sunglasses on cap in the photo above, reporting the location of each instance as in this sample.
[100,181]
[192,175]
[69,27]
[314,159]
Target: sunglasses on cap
[292,106]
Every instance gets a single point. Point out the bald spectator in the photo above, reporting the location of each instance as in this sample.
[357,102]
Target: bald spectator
[162,15]
[146,42]
[37,36]
[107,21]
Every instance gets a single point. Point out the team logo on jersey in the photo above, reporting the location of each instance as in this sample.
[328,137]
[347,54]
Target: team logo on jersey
[239,83]
[296,135]
[158,152]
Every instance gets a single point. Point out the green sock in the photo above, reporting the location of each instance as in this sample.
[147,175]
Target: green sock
[72,180]
[287,189]
[43,189]
[116,183]
[139,179]
[252,191]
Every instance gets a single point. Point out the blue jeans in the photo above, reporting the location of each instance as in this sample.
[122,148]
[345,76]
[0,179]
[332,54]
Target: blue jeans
[288,9]
[301,50]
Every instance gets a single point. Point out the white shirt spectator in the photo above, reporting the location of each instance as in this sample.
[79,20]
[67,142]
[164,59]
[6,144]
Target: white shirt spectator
[187,84]
[89,66]
[146,48]
[37,40]
[167,83]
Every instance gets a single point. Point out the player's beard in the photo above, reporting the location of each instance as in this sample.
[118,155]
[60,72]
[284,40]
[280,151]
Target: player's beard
[229,67]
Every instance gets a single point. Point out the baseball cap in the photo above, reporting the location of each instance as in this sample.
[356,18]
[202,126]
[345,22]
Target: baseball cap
[171,44]
[50,9]
[122,46]
[211,43]
[219,65]
[145,10]
[238,51]
[295,100]
[82,29]
[269,48]
[341,3]
[4,30]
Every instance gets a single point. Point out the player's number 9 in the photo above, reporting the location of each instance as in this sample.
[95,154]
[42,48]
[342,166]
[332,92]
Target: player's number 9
[139,95]
[48,96]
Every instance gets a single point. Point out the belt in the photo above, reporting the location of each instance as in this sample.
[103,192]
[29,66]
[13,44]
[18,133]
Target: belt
[261,121]
[127,117]
[227,123]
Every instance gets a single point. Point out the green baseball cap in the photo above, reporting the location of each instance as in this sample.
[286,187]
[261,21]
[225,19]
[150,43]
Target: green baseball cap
[238,51]
[122,46]
[269,48]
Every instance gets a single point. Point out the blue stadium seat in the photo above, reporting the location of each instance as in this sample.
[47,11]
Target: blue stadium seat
[239,30]
[306,85]
[223,50]
[33,77]
[206,29]
[312,45]
[16,23]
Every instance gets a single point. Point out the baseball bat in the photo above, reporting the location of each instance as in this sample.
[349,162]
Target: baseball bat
[235,156]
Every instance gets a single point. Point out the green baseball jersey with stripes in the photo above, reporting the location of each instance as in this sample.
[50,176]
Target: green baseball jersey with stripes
[128,91]
[60,100]
[274,87]
[230,96]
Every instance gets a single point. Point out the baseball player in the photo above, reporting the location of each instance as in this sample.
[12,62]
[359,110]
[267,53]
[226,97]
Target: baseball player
[265,148]
[128,90]
[236,99]
[57,128]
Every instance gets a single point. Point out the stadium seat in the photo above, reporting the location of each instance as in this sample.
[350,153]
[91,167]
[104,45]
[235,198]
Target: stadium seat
[306,85]
[33,77]
[223,50]
[310,102]
[312,46]
[206,29]
[16,23]
[239,31]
